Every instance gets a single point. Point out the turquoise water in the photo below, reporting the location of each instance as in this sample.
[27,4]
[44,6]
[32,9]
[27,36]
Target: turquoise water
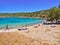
[16,22]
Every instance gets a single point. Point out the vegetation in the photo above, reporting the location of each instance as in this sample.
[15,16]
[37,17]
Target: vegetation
[33,14]
[54,14]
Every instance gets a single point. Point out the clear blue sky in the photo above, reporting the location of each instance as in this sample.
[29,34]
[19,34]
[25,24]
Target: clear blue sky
[7,6]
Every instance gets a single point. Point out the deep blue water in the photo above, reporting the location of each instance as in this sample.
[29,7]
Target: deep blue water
[13,22]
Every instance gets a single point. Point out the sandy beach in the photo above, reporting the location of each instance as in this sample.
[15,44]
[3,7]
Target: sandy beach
[33,35]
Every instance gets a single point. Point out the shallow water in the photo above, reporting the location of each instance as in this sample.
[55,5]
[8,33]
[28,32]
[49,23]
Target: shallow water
[16,22]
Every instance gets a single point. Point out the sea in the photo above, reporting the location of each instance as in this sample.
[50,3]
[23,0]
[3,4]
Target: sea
[19,22]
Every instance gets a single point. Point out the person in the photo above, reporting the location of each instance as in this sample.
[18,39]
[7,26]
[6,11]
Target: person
[38,24]
[6,27]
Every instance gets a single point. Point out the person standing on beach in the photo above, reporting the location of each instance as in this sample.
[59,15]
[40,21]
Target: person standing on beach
[6,27]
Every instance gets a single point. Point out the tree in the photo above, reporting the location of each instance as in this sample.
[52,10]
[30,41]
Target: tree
[57,14]
[51,14]
[54,14]
[58,6]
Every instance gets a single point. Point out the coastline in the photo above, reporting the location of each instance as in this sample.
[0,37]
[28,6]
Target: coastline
[21,17]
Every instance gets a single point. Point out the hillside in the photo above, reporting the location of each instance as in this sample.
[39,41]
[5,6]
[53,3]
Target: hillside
[53,11]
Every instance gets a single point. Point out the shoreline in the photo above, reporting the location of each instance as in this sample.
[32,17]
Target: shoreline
[21,17]
[29,26]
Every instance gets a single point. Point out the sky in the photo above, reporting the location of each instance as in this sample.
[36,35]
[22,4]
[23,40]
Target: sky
[13,6]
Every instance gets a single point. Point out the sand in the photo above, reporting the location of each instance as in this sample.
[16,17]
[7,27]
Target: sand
[34,35]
